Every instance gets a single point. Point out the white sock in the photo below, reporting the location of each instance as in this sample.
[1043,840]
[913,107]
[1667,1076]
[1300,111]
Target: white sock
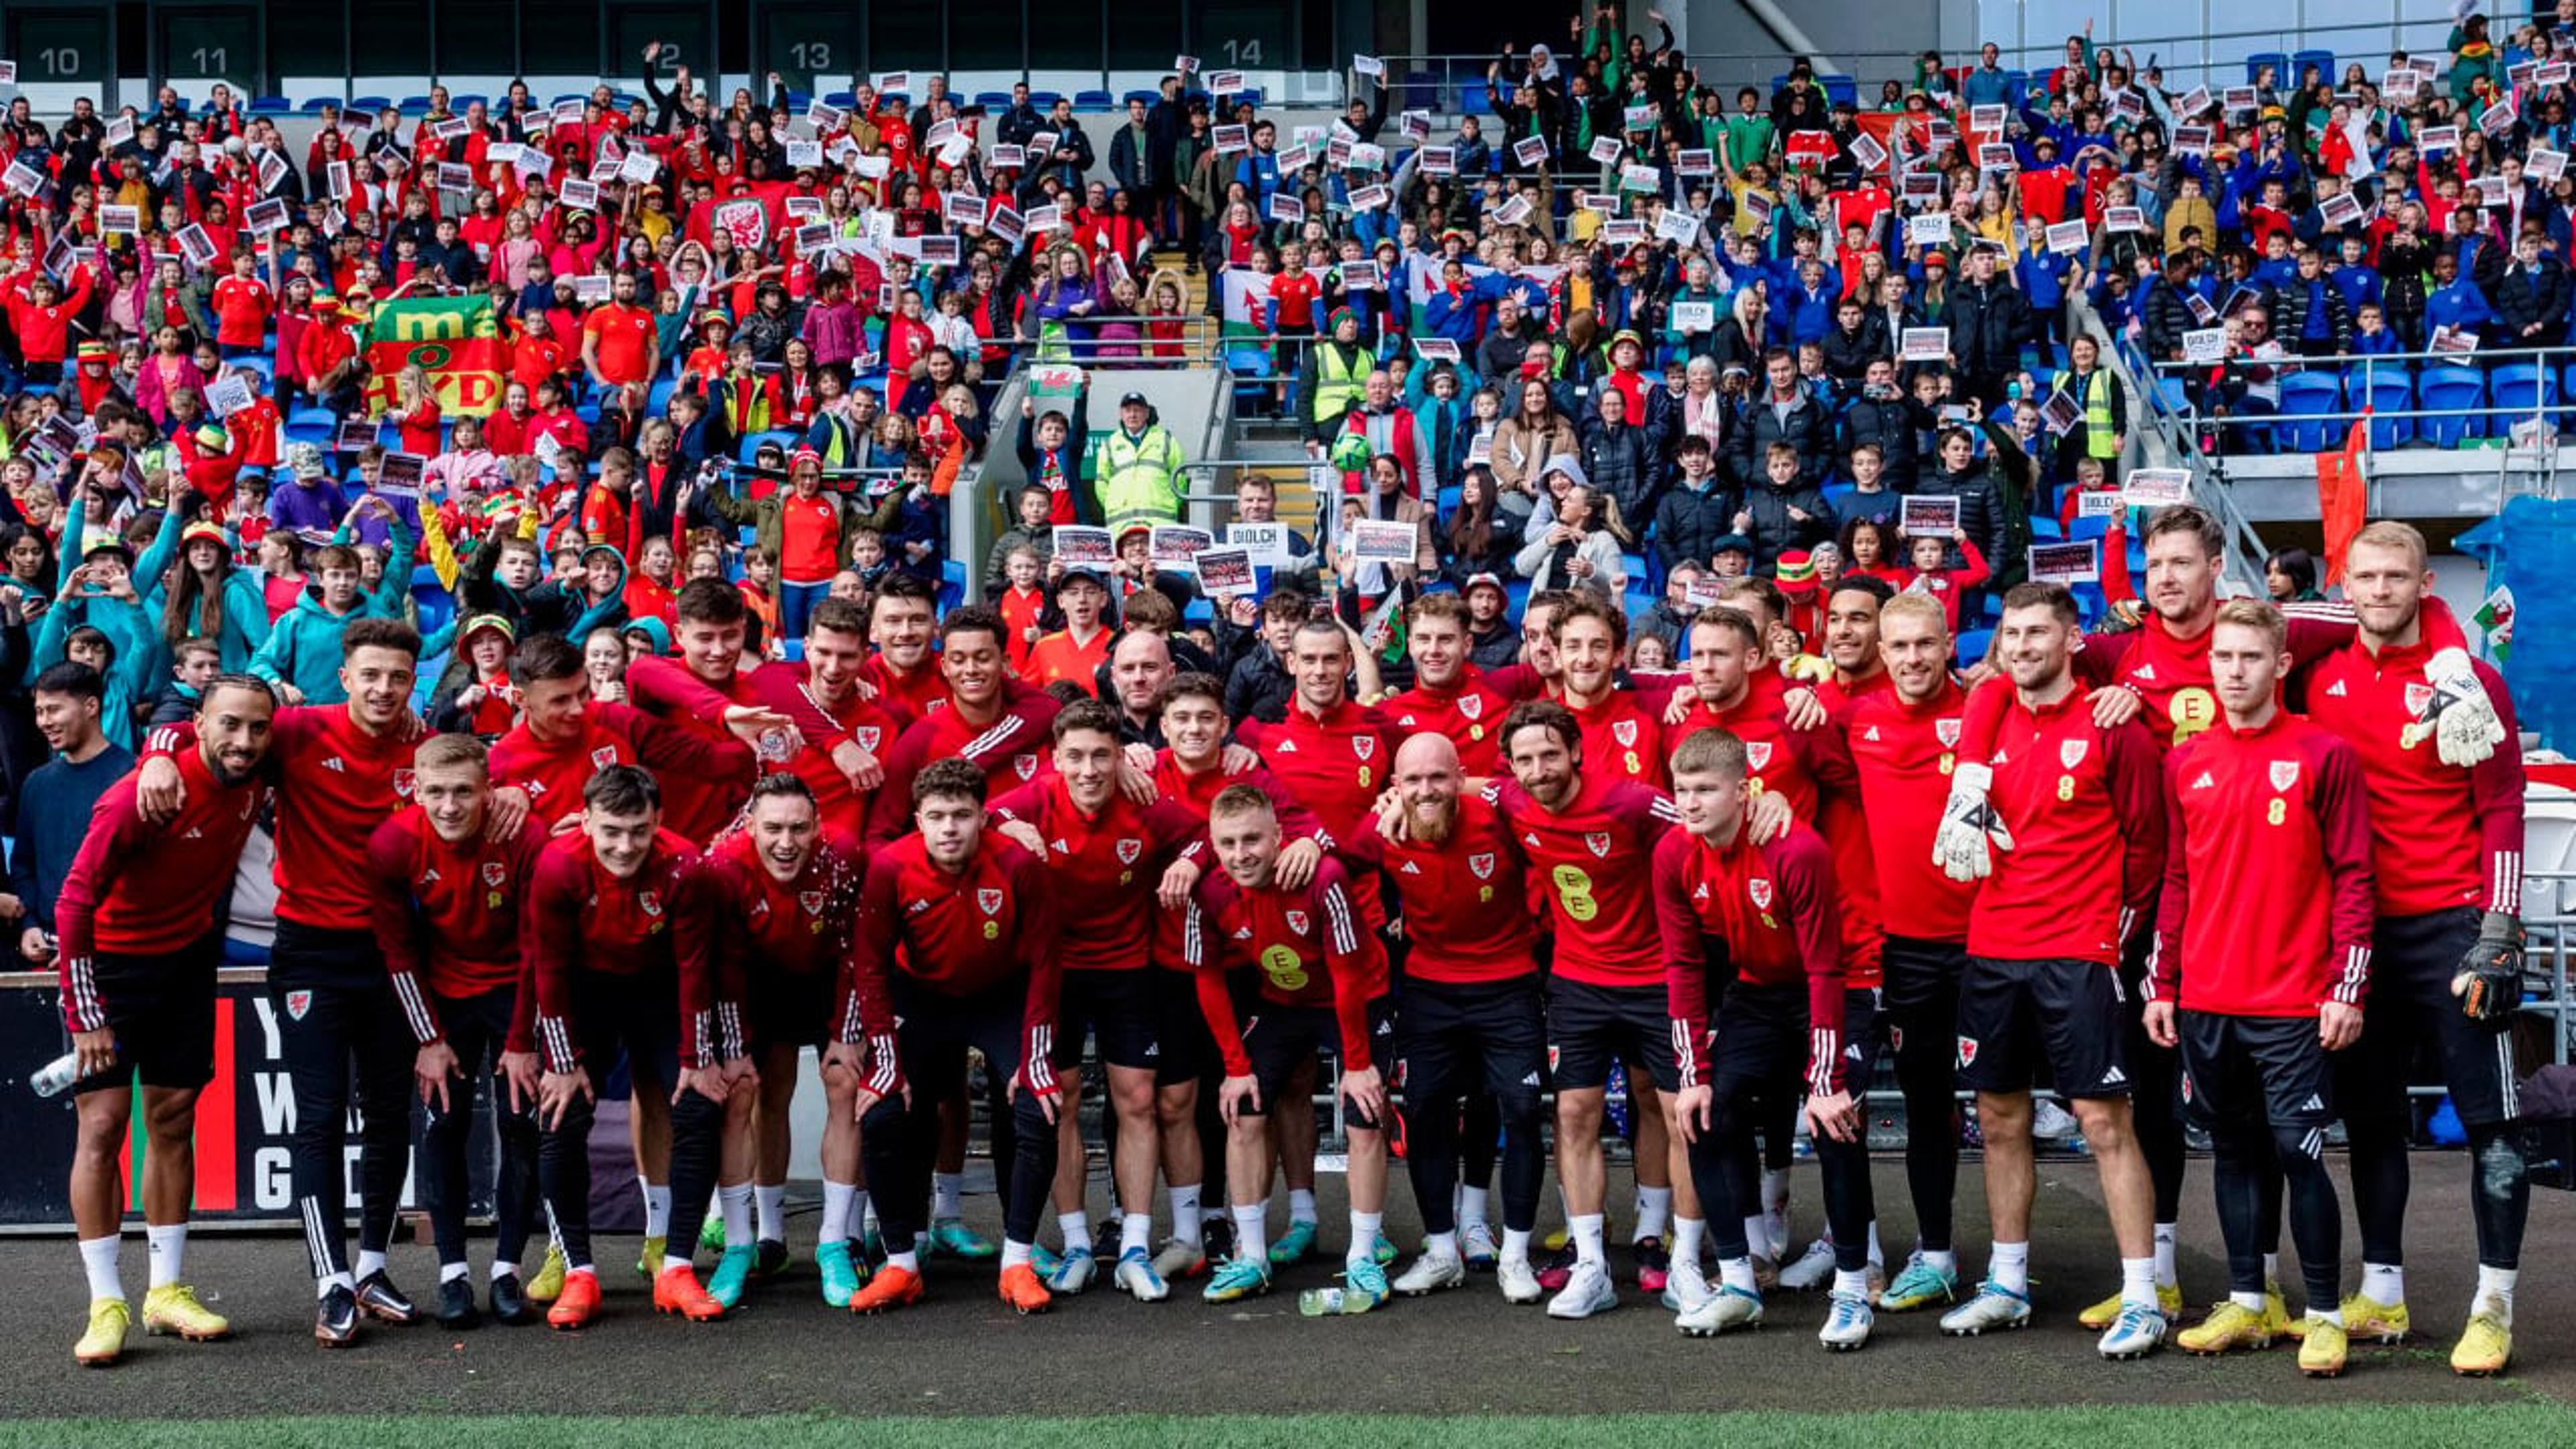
[1877,1254]
[1515,1245]
[98,1260]
[2271,1271]
[1944,1259]
[1737,1273]
[501,1270]
[947,1196]
[736,1200]
[2326,1315]
[368,1265]
[2250,1302]
[2010,1266]
[451,1272]
[1854,1281]
[2495,1292]
[1015,1253]
[771,1204]
[1471,1205]
[1654,1211]
[1252,1232]
[909,1262]
[1301,1205]
[1688,1235]
[322,1287]
[1077,1231]
[1364,1226]
[168,1249]
[1441,1245]
[2138,1281]
[2383,1283]
[1586,1232]
[2166,1234]
[657,1209]
[1186,1224]
[1135,1233]
[1757,1237]
[1775,1190]
[838,1199]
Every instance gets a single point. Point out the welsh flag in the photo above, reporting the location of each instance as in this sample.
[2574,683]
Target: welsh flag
[455,340]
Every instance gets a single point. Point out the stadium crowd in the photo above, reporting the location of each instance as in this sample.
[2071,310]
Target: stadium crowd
[700,762]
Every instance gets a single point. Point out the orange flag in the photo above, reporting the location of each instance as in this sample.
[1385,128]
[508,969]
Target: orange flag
[2343,496]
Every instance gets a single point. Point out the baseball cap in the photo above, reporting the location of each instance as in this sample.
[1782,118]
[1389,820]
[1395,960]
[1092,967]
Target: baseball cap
[1137,398]
[1083,573]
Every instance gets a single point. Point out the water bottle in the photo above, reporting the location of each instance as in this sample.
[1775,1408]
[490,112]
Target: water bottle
[57,1076]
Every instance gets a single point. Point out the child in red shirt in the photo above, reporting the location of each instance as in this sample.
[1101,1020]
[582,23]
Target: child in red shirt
[1928,550]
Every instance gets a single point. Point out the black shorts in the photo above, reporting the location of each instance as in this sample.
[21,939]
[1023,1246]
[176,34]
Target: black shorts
[1761,1043]
[1119,1008]
[1591,1027]
[2412,961]
[791,1009]
[1463,1037]
[1280,1039]
[2255,1069]
[1864,1033]
[161,1009]
[2014,1015]
[934,1031]
[1921,994]
[1184,1048]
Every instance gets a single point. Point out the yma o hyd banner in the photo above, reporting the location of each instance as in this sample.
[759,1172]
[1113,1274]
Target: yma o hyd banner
[455,340]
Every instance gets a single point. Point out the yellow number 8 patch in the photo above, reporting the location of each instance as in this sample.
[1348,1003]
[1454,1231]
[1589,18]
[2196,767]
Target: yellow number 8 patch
[2066,787]
[1574,892]
[2277,812]
[1285,971]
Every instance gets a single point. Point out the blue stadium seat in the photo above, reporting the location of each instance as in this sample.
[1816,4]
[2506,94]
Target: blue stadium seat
[2084,528]
[2385,388]
[1835,493]
[1148,97]
[310,417]
[1973,644]
[2279,61]
[952,584]
[2323,60]
[995,102]
[415,105]
[2043,526]
[842,99]
[1472,100]
[1840,90]
[2170,393]
[369,104]
[1449,497]
[2520,389]
[271,106]
[462,104]
[1419,91]
[1517,592]
[797,101]
[1092,102]
[2017,83]
[315,106]
[1199,611]
[2460,389]
[752,445]
[1045,100]
[2308,395]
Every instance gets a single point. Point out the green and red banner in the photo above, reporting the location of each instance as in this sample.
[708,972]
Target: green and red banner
[455,340]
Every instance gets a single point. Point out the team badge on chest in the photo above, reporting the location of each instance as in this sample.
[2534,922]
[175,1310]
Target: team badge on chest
[2285,773]
[2070,753]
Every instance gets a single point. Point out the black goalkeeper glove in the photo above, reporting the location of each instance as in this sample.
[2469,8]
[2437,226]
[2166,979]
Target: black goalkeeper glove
[2489,983]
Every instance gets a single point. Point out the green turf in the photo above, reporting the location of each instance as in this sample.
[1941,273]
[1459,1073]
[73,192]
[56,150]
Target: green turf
[2497,1426]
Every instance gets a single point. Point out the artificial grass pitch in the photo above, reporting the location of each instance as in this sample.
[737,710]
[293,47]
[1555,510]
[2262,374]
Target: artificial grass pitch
[2536,1423]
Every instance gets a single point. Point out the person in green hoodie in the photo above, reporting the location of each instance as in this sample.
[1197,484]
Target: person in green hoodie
[208,596]
[302,655]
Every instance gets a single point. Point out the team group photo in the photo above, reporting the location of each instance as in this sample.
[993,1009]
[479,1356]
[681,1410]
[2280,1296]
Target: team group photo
[1171,724]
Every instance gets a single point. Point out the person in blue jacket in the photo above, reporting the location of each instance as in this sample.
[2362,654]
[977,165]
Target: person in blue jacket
[2455,301]
[302,655]
[210,596]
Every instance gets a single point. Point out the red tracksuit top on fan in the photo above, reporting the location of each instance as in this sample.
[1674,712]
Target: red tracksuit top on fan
[450,918]
[141,890]
[610,734]
[1470,714]
[1106,867]
[990,926]
[1594,865]
[1905,754]
[1760,914]
[2086,813]
[1305,947]
[648,930]
[2442,836]
[1466,900]
[335,784]
[1336,765]
[2268,905]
